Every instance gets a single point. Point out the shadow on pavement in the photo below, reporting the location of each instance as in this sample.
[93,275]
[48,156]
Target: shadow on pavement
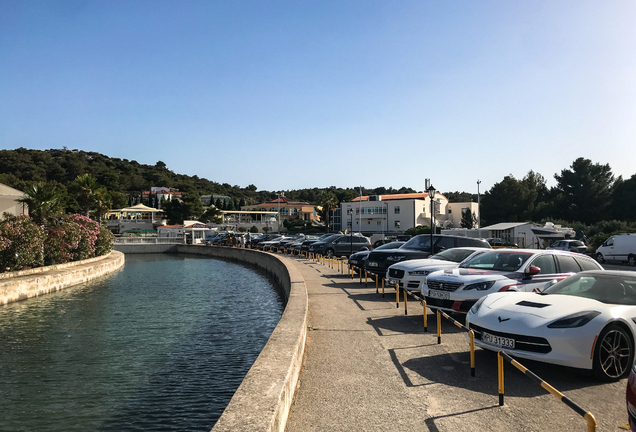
[443,369]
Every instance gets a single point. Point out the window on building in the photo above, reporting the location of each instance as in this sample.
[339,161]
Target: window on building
[379,222]
[397,224]
[396,210]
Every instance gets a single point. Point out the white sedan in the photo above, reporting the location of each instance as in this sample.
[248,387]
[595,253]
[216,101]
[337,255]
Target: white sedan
[456,290]
[585,321]
[411,273]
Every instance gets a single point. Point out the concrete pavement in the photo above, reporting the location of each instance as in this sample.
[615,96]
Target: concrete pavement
[370,367]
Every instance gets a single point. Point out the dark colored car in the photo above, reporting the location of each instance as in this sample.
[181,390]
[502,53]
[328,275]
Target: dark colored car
[340,245]
[418,247]
[263,238]
[358,259]
[385,240]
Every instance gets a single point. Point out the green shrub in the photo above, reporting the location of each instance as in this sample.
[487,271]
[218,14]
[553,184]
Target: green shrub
[104,242]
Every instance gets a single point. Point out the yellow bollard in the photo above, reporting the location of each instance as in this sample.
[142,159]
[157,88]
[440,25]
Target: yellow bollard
[500,374]
[439,327]
[472,352]
[366,279]
[382,287]
[425,316]
[376,284]
[397,295]
[405,306]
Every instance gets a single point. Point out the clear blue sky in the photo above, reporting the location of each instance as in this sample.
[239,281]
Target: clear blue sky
[298,94]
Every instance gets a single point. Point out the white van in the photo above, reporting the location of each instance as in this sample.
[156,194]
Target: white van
[620,247]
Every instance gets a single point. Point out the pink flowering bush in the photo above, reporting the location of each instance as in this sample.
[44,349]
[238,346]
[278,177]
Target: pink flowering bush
[104,242]
[60,243]
[88,232]
[21,243]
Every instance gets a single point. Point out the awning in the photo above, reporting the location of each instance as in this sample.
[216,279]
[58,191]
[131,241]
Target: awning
[139,208]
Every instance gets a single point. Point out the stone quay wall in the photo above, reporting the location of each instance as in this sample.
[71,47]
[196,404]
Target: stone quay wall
[24,284]
[263,400]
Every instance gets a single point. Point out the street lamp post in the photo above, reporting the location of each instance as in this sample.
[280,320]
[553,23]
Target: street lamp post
[279,195]
[478,210]
[431,195]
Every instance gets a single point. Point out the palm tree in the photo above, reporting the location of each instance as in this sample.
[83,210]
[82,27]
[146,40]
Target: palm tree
[328,201]
[44,201]
[103,202]
[89,191]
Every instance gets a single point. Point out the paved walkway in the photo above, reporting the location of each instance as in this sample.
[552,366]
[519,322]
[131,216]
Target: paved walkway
[368,367]
[349,381]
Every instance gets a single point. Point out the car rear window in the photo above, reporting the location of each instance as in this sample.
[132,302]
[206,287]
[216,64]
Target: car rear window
[568,264]
[587,264]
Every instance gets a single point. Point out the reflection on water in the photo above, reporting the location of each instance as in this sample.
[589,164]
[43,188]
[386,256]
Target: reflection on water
[159,346]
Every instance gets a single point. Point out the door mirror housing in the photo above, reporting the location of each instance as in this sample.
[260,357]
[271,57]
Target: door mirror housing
[532,270]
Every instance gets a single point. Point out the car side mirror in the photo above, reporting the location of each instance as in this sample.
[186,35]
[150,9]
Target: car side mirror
[552,282]
[532,270]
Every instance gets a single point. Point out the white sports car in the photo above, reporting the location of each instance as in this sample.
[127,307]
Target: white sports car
[585,321]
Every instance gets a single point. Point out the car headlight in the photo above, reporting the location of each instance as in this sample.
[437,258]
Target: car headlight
[481,286]
[578,319]
[419,273]
[477,305]
[395,257]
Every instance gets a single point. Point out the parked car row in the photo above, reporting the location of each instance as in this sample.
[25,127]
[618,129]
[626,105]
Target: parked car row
[554,306]
[340,245]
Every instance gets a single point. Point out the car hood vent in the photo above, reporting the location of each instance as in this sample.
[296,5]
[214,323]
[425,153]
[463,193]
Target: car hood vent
[532,304]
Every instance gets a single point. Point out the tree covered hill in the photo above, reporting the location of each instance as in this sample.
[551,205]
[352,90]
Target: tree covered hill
[126,179]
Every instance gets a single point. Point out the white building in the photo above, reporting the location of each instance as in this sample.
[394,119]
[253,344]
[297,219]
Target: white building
[9,203]
[192,232]
[394,214]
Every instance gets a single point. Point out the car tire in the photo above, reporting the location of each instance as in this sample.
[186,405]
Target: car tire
[613,354]
[599,258]
[631,260]
[329,253]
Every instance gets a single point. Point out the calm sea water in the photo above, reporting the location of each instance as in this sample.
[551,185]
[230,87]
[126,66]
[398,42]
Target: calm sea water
[159,346]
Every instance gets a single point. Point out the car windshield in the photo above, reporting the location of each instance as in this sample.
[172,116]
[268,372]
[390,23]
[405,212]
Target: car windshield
[499,261]
[577,243]
[606,288]
[422,242]
[454,255]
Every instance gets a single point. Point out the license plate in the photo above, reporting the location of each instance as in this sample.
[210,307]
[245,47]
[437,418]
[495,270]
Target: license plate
[498,340]
[372,264]
[354,262]
[439,294]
